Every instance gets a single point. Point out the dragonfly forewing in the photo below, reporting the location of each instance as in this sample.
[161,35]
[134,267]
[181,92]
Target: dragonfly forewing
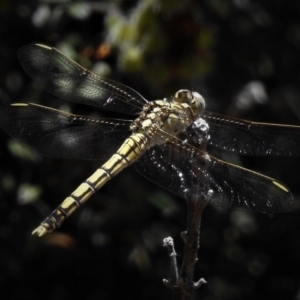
[253,138]
[64,78]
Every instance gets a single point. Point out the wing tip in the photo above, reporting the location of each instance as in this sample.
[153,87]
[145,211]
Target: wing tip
[281,186]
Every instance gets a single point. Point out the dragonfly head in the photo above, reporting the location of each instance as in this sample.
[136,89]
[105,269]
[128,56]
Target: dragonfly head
[193,99]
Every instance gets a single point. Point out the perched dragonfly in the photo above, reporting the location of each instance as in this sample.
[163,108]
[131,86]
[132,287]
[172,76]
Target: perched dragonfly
[163,140]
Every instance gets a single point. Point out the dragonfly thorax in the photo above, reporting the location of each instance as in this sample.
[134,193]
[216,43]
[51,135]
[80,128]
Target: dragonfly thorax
[152,117]
[161,119]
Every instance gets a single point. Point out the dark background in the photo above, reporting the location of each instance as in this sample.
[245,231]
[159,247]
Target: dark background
[243,56]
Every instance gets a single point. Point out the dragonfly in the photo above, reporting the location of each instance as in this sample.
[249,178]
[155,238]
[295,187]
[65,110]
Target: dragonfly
[165,139]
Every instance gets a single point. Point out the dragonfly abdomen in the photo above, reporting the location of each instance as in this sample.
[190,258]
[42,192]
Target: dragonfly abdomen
[129,152]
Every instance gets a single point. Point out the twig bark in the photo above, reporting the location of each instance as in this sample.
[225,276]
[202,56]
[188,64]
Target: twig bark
[182,285]
[197,196]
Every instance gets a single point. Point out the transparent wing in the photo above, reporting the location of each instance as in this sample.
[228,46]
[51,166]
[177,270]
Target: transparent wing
[253,138]
[64,78]
[55,133]
[185,170]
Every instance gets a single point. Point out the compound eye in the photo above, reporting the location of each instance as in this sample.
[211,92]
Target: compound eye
[198,104]
[183,95]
